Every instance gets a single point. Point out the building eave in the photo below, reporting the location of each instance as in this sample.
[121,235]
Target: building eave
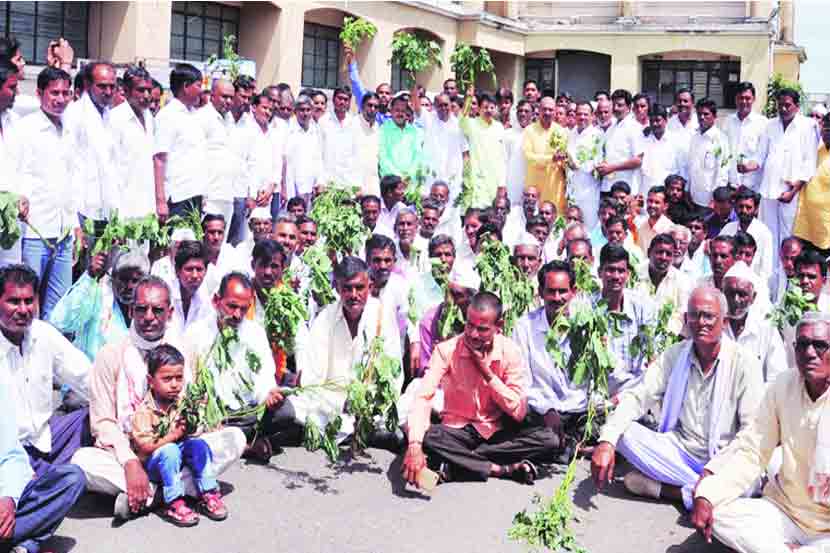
[789,48]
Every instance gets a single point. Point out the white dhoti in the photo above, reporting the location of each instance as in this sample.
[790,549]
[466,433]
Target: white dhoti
[661,457]
[105,474]
[759,526]
[779,218]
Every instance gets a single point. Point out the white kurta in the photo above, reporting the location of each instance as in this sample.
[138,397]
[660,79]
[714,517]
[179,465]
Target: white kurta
[332,355]
[585,149]
[744,141]
[134,160]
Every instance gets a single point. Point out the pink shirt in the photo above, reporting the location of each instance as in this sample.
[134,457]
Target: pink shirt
[468,399]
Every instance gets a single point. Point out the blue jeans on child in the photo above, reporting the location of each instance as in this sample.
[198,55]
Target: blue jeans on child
[165,467]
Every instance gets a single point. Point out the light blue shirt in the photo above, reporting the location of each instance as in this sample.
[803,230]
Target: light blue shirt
[359,91]
[15,470]
[550,387]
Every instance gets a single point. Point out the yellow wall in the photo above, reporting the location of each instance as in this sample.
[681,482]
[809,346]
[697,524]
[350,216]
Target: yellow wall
[787,64]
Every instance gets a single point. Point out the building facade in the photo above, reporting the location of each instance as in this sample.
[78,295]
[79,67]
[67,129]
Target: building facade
[578,47]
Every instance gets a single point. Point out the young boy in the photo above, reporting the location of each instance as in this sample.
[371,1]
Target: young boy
[164,456]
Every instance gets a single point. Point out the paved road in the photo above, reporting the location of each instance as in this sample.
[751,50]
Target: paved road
[299,504]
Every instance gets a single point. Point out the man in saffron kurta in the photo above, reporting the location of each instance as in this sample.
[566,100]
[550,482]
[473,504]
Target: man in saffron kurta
[545,168]
[812,223]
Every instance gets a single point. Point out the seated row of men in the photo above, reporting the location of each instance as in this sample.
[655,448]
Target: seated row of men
[531,408]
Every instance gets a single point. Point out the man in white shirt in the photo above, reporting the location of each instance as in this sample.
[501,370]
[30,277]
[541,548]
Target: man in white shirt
[744,129]
[391,192]
[746,207]
[755,334]
[34,354]
[585,146]
[516,162]
[180,159]
[39,148]
[708,159]
[623,153]
[660,155]
[258,152]
[92,163]
[683,126]
[8,118]
[303,153]
[220,257]
[133,131]
[339,161]
[218,124]
[787,156]
[189,293]
[444,144]
[244,88]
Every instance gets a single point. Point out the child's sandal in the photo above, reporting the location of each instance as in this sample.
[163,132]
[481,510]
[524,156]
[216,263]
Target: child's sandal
[212,506]
[180,514]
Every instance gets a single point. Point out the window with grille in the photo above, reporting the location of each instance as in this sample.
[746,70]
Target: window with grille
[321,56]
[714,79]
[198,28]
[35,24]
[401,79]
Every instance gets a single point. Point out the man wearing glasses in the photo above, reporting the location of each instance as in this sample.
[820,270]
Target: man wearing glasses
[794,417]
[709,388]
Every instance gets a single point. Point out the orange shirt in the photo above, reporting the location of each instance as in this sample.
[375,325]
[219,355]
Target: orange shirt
[468,399]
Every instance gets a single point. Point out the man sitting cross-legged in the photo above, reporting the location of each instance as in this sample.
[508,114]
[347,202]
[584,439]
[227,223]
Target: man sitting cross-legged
[118,382]
[338,340]
[709,388]
[794,417]
[484,380]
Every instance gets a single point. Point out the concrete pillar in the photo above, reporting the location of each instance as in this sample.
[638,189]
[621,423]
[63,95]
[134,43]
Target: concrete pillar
[126,31]
[260,22]
[286,59]
[760,8]
[787,21]
[627,8]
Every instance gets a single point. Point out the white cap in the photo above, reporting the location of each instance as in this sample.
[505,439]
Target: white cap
[527,239]
[131,258]
[820,109]
[260,213]
[180,234]
[741,271]
[465,275]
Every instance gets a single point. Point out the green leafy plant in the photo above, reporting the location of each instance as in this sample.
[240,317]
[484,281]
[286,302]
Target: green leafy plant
[319,267]
[792,306]
[10,222]
[338,220]
[314,438]
[558,140]
[501,277]
[468,62]
[119,231]
[355,31]
[776,83]
[192,220]
[229,54]
[414,54]
[652,340]
[587,329]
[285,311]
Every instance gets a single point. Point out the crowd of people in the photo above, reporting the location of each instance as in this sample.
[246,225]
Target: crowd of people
[725,219]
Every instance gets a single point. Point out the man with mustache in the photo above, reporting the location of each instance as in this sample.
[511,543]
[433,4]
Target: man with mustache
[554,402]
[389,286]
[755,334]
[93,328]
[248,379]
[484,380]
[663,282]
[709,388]
[118,382]
[338,339]
[33,355]
[792,515]
[747,203]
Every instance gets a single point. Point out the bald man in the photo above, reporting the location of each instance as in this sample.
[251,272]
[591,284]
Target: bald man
[709,388]
[218,124]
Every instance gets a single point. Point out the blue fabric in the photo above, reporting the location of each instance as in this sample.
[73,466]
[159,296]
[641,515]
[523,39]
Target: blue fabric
[15,471]
[236,226]
[44,504]
[70,433]
[36,255]
[165,467]
[359,91]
